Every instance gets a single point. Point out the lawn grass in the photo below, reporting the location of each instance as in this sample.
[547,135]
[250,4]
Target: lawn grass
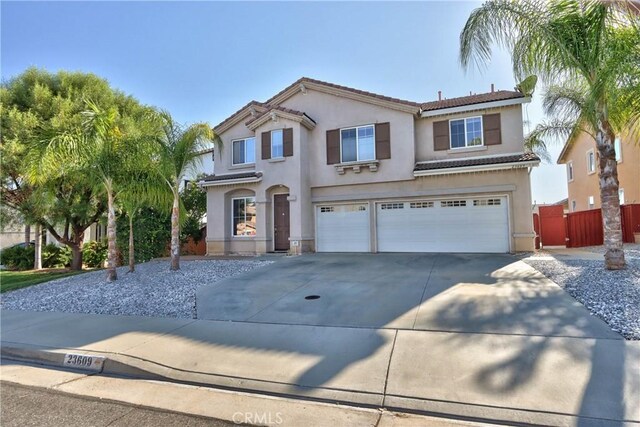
[12,280]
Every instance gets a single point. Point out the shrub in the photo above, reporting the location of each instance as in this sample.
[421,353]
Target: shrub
[151,234]
[94,253]
[54,256]
[18,257]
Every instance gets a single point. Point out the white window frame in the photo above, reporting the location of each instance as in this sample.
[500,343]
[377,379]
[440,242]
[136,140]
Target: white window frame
[617,145]
[233,227]
[282,144]
[591,202]
[244,140]
[466,143]
[621,195]
[373,126]
[593,153]
[570,171]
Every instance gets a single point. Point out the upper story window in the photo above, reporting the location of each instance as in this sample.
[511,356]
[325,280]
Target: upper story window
[277,147]
[573,206]
[591,161]
[244,151]
[618,147]
[466,132]
[569,171]
[357,144]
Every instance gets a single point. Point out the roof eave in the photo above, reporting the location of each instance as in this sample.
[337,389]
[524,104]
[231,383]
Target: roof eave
[473,107]
[477,168]
[203,184]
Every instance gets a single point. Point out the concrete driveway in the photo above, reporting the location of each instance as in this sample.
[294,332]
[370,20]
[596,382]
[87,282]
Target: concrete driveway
[476,293]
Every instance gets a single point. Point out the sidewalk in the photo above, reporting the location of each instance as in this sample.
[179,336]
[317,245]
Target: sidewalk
[485,377]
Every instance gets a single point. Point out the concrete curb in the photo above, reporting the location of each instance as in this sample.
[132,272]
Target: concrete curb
[128,367]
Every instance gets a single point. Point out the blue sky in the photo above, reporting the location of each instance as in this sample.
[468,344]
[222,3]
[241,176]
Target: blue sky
[204,60]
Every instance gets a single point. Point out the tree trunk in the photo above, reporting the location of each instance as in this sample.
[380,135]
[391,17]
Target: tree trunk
[132,259]
[175,231]
[111,237]
[37,263]
[76,258]
[610,199]
[27,234]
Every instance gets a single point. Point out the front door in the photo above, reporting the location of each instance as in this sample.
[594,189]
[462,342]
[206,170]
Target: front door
[281,222]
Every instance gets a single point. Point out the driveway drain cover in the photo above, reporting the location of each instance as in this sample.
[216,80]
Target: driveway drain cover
[312,297]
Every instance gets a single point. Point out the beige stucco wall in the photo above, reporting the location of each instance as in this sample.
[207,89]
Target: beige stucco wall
[309,180]
[334,112]
[511,133]
[585,184]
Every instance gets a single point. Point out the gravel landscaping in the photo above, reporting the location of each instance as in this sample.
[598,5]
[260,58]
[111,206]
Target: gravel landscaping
[614,296]
[152,290]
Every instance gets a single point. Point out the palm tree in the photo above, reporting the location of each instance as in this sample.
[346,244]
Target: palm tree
[586,52]
[143,189]
[179,150]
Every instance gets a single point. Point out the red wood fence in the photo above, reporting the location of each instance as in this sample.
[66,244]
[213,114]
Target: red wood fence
[582,228]
[552,225]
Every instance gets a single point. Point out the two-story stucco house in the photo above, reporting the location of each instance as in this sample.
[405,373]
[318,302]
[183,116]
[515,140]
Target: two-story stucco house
[327,168]
[583,183]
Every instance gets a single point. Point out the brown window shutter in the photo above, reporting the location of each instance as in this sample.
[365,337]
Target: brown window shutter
[333,146]
[287,142]
[266,145]
[441,135]
[383,141]
[491,129]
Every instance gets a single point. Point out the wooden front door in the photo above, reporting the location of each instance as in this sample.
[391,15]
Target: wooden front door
[281,222]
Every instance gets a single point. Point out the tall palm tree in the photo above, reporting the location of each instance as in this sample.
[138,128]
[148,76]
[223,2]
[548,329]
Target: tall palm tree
[586,52]
[179,149]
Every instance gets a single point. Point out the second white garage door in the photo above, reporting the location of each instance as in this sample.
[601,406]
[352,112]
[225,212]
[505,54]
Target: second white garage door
[342,228]
[460,225]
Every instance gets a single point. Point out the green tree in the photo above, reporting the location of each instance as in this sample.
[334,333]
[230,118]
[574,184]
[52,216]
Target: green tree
[179,149]
[587,53]
[34,101]
[194,200]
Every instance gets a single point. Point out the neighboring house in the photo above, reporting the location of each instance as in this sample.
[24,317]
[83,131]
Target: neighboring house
[581,159]
[327,168]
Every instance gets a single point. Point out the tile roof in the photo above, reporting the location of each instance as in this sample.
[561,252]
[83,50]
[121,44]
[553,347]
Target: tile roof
[350,89]
[278,108]
[225,177]
[476,161]
[498,95]
[250,103]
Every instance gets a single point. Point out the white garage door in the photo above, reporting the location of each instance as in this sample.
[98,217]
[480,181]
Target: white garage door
[460,225]
[342,228]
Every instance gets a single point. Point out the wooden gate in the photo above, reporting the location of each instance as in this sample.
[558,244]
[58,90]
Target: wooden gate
[552,226]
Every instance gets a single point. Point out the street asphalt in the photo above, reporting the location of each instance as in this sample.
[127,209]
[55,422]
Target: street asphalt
[26,406]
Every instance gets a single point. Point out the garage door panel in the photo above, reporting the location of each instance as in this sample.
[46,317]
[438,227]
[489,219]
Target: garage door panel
[464,225]
[342,228]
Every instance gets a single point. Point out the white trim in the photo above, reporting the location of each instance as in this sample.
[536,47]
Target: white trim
[233,141]
[233,235]
[570,176]
[473,107]
[479,168]
[466,146]
[250,180]
[589,171]
[372,125]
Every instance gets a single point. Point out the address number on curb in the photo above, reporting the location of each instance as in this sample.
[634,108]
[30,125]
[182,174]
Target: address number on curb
[83,361]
